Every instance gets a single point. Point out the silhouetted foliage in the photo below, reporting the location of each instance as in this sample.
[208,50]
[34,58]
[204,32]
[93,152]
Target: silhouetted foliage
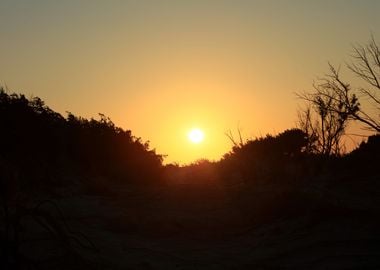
[265,156]
[364,160]
[325,127]
[337,99]
[35,137]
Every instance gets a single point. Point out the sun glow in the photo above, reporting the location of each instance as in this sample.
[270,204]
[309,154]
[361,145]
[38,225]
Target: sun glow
[196,135]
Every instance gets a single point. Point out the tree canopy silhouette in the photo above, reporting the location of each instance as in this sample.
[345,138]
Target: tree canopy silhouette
[336,101]
[37,139]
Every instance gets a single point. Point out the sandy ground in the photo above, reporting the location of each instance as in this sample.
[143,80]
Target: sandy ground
[187,227]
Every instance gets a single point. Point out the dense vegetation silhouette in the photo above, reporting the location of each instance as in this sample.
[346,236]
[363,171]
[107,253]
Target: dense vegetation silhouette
[42,151]
[43,143]
[77,193]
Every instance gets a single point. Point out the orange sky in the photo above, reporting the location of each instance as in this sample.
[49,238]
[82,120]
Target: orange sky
[160,68]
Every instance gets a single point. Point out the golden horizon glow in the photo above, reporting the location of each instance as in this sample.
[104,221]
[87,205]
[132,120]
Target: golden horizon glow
[160,68]
[196,135]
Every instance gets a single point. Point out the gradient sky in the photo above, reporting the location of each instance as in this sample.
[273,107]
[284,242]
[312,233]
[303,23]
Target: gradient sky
[160,68]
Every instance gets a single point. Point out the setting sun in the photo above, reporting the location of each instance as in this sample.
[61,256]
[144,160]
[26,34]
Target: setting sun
[196,135]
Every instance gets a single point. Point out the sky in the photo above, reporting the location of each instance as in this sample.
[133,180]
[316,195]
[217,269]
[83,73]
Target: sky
[161,68]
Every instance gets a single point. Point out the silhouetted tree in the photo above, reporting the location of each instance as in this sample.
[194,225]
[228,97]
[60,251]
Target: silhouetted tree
[325,127]
[341,100]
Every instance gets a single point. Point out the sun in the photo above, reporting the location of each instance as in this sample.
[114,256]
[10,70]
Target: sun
[196,135]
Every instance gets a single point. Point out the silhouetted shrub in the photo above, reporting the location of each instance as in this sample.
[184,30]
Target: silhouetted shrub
[45,145]
[364,160]
[266,156]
